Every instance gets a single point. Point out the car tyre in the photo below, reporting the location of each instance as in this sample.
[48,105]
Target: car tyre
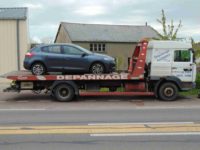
[97,68]
[38,69]
[168,91]
[64,93]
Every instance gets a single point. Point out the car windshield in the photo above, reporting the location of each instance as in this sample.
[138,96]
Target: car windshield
[84,50]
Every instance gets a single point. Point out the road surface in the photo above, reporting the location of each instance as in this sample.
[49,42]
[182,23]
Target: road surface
[29,121]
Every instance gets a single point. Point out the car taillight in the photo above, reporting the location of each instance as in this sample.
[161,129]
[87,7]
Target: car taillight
[29,54]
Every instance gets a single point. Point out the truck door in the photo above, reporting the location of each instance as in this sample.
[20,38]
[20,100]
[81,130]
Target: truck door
[161,62]
[183,65]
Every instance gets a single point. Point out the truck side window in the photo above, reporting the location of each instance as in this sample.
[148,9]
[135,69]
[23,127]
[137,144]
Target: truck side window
[182,56]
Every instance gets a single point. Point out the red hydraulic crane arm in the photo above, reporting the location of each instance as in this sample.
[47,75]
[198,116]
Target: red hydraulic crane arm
[137,63]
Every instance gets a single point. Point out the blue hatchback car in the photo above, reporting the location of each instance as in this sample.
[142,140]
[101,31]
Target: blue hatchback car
[66,58]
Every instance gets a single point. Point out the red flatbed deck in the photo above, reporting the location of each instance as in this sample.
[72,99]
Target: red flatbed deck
[27,76]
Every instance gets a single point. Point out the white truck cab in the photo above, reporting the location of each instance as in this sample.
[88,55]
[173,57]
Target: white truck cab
[173,59]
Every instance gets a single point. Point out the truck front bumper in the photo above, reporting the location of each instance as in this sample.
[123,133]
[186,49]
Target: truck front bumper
[185,86]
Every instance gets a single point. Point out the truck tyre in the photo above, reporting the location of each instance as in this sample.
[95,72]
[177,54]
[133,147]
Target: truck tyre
[168,91]
[64,93]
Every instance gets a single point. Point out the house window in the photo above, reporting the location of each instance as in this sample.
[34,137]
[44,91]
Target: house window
[91,47]
[98,47]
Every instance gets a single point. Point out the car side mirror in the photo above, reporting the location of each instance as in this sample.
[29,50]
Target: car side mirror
[84,54]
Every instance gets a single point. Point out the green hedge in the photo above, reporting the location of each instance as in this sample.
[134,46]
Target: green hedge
[198,81]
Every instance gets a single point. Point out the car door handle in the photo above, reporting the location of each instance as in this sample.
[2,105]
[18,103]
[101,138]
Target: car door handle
[187,69]
[174,67]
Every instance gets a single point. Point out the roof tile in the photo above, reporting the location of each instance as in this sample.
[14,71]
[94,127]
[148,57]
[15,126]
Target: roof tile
[108,33]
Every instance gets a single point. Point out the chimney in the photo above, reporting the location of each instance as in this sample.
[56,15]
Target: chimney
[146,24]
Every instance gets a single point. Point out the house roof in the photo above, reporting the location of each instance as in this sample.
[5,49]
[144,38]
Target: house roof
[13,13]
[108,33]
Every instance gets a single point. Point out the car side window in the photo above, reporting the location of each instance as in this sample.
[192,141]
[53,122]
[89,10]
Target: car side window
[54,49]
[45,49]
[35,49]
[182,56]
[70,50]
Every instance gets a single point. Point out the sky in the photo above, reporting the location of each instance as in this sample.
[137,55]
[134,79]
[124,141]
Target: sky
[44,16]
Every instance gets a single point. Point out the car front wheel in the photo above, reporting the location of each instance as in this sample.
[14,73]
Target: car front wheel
[97,68]
[38,69]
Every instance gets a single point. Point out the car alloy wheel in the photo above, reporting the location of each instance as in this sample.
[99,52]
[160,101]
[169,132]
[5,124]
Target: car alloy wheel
[97,68]
[38,69]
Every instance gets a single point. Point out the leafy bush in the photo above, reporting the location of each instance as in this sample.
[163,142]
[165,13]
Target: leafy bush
[196,47]
[198,81]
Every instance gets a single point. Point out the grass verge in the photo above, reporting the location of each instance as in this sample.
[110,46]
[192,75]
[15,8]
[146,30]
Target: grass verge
[193,92]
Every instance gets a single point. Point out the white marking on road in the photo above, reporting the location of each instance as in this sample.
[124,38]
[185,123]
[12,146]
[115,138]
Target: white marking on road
[147,134]
[138,123]
[23,109]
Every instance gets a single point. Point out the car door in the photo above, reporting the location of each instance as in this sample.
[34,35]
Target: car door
[74,59]
[54,57]
[183,66]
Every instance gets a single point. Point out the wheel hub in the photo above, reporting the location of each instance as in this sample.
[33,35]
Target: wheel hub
[64,92]
[97,69]
[169,91]
[38,69]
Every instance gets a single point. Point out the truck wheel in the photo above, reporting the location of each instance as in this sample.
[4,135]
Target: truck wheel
[168,91]
[64,93]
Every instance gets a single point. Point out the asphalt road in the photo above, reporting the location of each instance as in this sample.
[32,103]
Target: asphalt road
[29,121]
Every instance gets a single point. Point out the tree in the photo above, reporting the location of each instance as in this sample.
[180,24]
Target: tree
[192,41]
[169,31]
[196,47]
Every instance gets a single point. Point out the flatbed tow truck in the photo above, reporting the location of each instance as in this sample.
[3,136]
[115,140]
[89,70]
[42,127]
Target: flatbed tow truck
[156,69]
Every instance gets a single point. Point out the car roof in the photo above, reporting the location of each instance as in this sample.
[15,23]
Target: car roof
[58,44]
